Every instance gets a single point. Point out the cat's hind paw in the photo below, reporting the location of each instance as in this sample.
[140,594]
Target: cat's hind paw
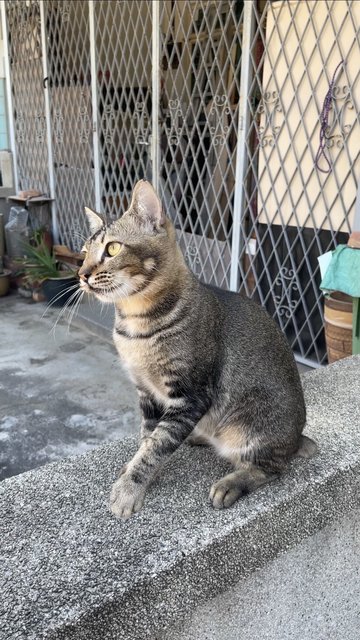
[224,493]
[197,440]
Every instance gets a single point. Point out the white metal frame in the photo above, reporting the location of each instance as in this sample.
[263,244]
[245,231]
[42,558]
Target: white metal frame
[155,142]
[241,152]
[10,111]
[54,221]
[95,126]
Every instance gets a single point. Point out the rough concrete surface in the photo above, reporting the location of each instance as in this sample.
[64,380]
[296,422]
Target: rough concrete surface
[310,593]
[62,390]
[68,569]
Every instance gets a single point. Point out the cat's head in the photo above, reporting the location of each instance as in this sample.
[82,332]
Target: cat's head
[124,257]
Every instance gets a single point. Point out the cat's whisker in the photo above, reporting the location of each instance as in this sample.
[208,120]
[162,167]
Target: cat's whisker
[72,309]
[131,288]
[102,307]
[65,308]
[123,294]
[79,236]
[58,296]
[62,312]
[142,294]
[75,308]
[153,268]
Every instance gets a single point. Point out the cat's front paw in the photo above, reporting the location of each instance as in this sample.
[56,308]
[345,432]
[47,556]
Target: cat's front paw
[126,497]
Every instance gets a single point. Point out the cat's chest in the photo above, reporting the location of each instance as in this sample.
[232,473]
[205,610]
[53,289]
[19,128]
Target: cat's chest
[145,365]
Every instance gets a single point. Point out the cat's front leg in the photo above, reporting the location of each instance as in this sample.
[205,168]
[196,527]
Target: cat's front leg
[128,492]
[151,413]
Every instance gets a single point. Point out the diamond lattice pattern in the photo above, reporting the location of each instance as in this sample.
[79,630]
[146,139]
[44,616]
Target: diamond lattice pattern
[200,75]
[293,211]
[68,52]
[26,70]
[123,35]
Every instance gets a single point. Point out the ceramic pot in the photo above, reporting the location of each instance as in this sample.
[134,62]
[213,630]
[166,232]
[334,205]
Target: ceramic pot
[4,282]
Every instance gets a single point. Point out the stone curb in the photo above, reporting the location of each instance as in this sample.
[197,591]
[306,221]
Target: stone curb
[68,569]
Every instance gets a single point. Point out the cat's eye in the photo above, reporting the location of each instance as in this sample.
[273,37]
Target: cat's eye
[112,249]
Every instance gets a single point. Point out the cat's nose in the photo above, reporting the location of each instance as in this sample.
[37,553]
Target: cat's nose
[84,274]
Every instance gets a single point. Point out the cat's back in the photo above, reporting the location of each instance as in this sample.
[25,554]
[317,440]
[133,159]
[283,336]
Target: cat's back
[253,340]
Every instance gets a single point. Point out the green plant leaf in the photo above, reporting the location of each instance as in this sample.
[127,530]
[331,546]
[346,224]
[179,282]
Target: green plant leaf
[40,263]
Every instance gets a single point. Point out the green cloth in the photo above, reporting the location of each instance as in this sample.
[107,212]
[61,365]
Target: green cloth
[343,272]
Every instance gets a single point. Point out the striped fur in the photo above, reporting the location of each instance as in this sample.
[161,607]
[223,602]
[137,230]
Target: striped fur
[209,366]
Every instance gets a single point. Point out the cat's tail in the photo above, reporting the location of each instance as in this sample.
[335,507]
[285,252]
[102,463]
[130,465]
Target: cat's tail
[307,448]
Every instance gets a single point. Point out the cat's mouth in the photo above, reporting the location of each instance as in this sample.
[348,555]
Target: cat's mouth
[85,286]
[90,288]
[105,294]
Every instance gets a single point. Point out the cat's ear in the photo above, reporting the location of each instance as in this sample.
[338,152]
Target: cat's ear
[94,220]
[146,204]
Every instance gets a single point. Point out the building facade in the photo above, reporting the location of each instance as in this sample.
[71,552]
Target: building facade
[219,104]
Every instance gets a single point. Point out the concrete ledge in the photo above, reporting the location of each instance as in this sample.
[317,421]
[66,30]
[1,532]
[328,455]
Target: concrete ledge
[311,592]
[69,570]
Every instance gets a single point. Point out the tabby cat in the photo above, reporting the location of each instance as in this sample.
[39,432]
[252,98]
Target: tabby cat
[209,366]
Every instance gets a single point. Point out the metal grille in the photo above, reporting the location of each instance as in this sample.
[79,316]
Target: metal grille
[200,66]
[24,36]
[293,212]
[69,84]
[239,92]
[123,34]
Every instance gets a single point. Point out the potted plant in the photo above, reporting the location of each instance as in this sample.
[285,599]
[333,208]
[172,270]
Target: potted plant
[41,270]
[4,279]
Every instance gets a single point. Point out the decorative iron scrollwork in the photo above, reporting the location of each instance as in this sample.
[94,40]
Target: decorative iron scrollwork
[339,127]
[27,44]
[20,127]
[84,120]
[219,116]
[269,106]
[141,124]
[192,257]
[40,127]
[176,121]
[64,10]
[285,303]
[58,126]
[108,121]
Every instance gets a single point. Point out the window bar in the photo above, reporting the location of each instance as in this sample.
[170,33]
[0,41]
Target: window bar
[241,151]
[155,150]
[10,111]
[54,222]
[94,101]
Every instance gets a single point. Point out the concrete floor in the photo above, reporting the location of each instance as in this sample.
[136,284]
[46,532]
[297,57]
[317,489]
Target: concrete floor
[62,390]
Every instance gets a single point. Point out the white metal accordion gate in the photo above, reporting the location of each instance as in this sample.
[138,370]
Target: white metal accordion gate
[218,103]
